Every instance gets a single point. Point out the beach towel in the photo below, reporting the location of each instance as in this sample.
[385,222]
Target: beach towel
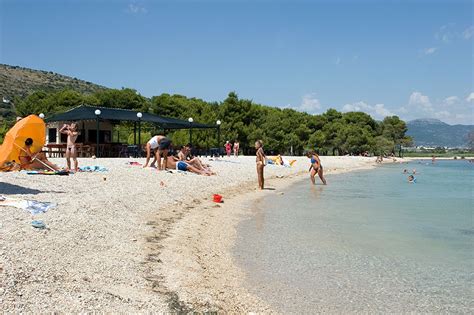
[61,173]
[134,163]
[95,168]
[34,207]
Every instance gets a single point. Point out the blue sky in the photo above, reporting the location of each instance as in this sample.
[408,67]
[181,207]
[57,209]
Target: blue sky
[410,58]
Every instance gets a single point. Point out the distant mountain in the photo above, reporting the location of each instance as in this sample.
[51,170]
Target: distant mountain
[19,82]
[435,133]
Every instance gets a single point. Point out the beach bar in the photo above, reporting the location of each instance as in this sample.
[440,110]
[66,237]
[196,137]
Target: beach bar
[95,126]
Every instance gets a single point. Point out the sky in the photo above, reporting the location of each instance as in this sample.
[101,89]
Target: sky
[412,58]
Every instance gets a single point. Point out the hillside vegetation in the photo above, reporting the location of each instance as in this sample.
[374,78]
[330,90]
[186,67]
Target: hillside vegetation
[282,130]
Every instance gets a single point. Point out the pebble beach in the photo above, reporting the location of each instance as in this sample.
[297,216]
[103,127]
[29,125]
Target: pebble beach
[133,239]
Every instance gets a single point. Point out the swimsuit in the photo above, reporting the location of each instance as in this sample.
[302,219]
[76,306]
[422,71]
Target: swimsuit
[164,144]
[182,166]
[315,161]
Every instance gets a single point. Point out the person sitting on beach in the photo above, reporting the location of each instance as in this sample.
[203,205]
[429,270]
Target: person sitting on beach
[160,146]
[185,155]
[316,167]
[175,162]
[261,162]
[34,160]
[71,152]
[411,179]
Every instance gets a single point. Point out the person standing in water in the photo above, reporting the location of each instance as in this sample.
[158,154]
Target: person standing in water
[316,167]
[71,151]
[261,159]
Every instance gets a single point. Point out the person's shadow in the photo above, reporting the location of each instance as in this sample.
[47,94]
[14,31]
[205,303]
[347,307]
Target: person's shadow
[6,188]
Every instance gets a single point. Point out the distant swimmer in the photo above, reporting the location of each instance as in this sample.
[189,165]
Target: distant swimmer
[405,171]
[411,179]
[433,159]
[414,171]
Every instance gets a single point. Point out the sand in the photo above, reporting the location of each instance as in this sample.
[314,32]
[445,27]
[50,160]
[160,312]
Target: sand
[133,239]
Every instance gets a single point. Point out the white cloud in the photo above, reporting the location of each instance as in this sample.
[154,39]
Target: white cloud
[468,32]
[309,103]
[446,33]
[136,8]
[470,97]
[377,111]
[451,100]
[430,51]
[420,100]
[452,109]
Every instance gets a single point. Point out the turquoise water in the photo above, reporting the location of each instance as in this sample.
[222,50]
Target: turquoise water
[367,242]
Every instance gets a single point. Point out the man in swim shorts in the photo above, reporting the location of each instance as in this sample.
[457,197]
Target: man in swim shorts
[71,151]
[174,162]
[160,145]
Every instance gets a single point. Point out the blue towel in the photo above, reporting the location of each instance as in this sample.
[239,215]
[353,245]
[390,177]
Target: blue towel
[95,168]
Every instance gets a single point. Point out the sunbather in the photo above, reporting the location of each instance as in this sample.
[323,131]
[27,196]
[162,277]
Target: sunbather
[34,160]
[175,162]
[185,155]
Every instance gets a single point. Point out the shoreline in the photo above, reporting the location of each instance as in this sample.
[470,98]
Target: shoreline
[193,263]
[133,239]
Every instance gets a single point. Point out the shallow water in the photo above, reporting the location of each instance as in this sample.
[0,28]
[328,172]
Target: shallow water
[369,241]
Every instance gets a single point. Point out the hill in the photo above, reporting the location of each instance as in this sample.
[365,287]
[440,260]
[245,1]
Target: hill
[435,133]
[18,82]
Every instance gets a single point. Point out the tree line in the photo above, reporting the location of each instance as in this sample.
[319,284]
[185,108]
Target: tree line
[283,131]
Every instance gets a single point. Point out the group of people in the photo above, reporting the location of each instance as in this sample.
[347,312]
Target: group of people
[182,160]
[31,160]
[229,146]
[160,147]
[261,160]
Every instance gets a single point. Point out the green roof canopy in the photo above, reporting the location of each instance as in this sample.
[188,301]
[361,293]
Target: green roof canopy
[86,112]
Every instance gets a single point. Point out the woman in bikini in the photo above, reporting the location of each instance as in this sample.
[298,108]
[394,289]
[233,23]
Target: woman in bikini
[71,152]
[261,162]
[316,167]
[34,160]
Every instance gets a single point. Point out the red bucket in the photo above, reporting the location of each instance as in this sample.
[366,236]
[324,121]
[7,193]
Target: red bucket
[217,198]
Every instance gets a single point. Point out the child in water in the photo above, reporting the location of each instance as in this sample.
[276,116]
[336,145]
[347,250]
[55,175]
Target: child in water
[411,179]
[316,167]
[260,163]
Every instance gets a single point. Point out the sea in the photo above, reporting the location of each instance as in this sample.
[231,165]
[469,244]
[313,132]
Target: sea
[369,241]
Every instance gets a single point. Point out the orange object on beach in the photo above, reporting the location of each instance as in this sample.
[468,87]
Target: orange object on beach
[217,198]
[29,127]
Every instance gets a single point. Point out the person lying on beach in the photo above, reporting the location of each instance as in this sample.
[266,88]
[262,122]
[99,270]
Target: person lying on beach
[160,146]
[71,152]
[316,167]
[34,160]
[175,162]
[261,162]
[185,155]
